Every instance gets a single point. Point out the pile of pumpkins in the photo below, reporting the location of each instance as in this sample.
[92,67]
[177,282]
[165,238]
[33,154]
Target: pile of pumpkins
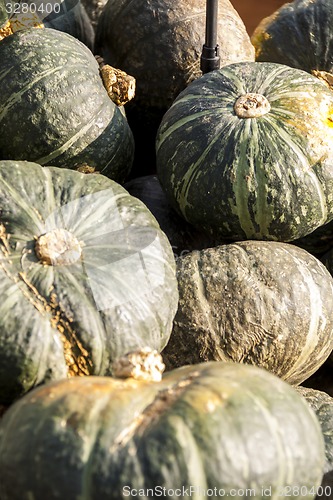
[187,228]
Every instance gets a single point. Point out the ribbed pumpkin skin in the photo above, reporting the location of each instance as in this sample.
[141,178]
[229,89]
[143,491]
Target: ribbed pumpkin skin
[262,303]
[63,320]
[56,110]
[267,178]
[322,404]
[298,34]
[215,425]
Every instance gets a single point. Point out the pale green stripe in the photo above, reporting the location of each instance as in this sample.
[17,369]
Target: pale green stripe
[303,164]
[183,121]
[16,97]
[317,320]
[240,187]
[195,170]
[82,131]
[28,208]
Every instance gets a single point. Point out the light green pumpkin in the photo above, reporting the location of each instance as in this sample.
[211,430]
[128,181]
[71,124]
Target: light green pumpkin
[220,427]
[86,274]
[264,303]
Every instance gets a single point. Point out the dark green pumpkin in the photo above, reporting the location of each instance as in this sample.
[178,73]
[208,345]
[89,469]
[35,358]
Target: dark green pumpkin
[54,109]
[86,274]
[160,44]
[245,152]
[219,427]
[298,34]
[263,303]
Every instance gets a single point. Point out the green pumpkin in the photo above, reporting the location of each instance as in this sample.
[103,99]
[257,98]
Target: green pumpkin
[220,427]
[86,274]
[54,109]
[245,152]
[298,34]
[263,303]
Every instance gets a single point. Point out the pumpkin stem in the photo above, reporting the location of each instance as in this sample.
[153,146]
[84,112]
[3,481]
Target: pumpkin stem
[144,364]
[324,76]
[119,85]
[251,105]
[58,248]
[5,30]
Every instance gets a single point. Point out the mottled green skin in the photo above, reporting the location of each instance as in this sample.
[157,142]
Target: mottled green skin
[298,34]
[54,109]
[267,178]
[322,404]
[120,295]
[214,425]
[262,303]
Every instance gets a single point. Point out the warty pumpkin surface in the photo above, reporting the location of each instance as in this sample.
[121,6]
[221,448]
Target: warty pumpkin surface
[298,34]
[216,425]
[245,152]
[86,274]
[54,109]
[255,302]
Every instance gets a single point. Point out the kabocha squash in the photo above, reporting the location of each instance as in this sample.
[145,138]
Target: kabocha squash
[208,429]
[262,303]
[298,34]
[85,275]
[245,152]
[182,236]
[54,109]
[160,44]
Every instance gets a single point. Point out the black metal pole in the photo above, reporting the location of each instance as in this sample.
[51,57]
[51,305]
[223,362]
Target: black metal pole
[210,58]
